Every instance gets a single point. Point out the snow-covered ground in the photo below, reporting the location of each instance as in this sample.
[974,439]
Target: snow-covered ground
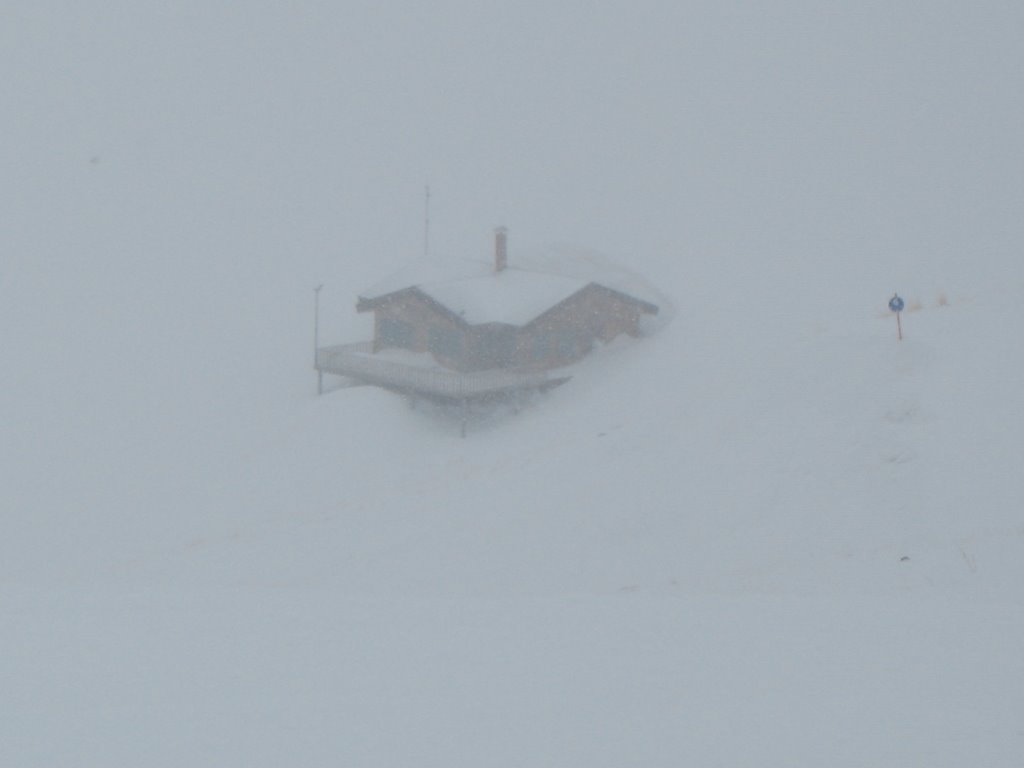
[770,534]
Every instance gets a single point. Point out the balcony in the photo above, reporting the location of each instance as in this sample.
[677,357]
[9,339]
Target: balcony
[419,375]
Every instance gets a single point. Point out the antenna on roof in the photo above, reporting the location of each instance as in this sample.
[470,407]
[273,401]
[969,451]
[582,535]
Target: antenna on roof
[426,224]
[500,249]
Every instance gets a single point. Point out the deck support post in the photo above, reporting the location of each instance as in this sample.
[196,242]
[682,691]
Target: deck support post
[319,382]
[464,417]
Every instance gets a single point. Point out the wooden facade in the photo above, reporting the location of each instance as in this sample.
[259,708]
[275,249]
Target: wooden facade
[410,319]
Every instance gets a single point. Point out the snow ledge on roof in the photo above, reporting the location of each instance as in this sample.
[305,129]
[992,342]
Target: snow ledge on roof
[532,284]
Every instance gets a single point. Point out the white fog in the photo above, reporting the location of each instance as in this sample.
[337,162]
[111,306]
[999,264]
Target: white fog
[761,531]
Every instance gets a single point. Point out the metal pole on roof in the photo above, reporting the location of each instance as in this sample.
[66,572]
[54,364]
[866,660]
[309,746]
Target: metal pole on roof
[316,340]
[426,224]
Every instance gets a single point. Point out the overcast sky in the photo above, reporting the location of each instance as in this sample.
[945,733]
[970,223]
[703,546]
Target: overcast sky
[201,141]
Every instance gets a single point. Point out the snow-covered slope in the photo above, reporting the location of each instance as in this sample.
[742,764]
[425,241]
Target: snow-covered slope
[768,534]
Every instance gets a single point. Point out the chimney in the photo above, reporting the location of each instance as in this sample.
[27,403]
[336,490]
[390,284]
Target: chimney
[500,249]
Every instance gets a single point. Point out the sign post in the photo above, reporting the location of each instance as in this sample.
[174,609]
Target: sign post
[896,305]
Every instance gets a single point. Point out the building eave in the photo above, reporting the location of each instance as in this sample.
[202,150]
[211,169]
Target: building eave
[643,306]
[378,302]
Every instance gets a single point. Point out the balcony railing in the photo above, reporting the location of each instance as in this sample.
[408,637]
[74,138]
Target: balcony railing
[358,361]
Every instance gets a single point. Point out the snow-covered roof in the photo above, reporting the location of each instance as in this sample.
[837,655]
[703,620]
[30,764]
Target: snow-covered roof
[511,296]
[427,272]
[515,295]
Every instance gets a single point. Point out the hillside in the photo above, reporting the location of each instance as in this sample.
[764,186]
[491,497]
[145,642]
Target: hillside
[807,534]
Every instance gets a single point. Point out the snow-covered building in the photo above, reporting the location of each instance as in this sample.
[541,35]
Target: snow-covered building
[460,322]
[504,317]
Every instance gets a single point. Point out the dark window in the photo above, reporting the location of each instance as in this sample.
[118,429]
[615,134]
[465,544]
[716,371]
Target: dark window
[394,333]
[572,345]
[541,347]
[568,344]
[445,342]
[497,348]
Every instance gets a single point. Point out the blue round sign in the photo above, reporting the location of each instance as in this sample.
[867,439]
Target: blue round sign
[896,303]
